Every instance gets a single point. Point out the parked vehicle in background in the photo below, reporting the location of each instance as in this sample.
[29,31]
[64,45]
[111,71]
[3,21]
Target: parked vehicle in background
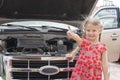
[33,37]
[110,17]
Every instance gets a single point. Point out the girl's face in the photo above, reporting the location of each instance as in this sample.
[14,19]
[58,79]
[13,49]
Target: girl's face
[92,32]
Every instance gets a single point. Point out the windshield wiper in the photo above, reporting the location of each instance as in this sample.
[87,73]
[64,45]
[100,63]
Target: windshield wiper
[31,28]
[43,28]
[51,28]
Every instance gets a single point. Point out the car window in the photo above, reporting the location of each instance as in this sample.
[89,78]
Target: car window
[109,22]
[104,12]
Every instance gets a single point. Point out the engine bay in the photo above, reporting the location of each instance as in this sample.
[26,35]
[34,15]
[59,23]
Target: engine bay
[43,44]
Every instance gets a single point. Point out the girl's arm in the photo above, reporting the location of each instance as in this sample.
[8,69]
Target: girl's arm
[73,53]
[74,36]
[105,66]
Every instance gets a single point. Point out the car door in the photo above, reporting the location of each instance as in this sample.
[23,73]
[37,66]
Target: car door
[111,37]
[111,33]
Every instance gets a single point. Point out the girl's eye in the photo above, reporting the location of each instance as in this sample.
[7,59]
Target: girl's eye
[94,30]
[88,30]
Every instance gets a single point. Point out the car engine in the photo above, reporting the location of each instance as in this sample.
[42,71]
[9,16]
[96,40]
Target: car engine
[43,44]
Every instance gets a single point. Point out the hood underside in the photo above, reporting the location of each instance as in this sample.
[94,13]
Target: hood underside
[47,9]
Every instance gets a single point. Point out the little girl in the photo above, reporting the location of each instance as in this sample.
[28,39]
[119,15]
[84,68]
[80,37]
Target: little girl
[93,55]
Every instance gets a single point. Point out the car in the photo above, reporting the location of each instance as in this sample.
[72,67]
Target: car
[29,44]
[33,37]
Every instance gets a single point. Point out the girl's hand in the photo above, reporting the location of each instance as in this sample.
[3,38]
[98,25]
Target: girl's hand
[69,57]
[74,36]
[69,32]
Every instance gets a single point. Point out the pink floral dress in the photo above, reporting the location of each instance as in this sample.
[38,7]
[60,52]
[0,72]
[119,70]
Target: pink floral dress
[88,66]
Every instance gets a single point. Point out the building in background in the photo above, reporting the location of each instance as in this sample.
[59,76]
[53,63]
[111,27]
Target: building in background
[102,3]
[108,3]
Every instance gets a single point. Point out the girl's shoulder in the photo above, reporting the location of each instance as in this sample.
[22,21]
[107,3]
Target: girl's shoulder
[85,41]
[102,46]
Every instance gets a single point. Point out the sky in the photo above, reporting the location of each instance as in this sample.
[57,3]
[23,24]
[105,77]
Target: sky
[115,2]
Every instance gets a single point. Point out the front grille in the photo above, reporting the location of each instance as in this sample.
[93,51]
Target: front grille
[37,75]
[23,69]
[19,64]
[38,63]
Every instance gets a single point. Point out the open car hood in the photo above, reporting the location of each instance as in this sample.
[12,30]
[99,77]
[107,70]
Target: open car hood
[64,11]
[47,9]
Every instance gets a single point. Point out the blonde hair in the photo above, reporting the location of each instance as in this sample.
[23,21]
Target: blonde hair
[93,21]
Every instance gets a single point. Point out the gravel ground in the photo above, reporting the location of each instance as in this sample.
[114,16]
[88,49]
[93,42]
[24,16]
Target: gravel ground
[114,71]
